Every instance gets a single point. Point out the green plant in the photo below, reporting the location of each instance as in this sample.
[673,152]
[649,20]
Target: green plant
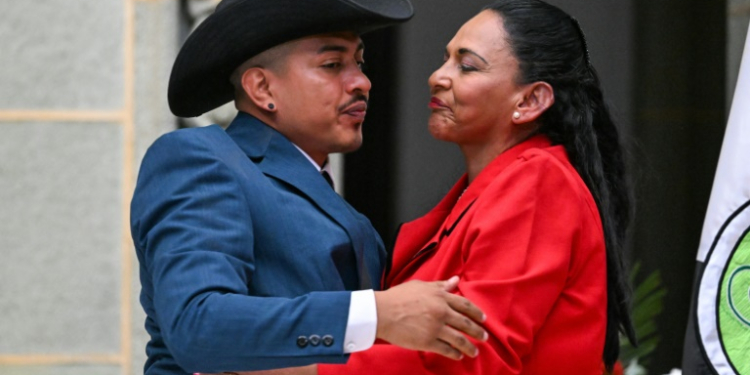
[648,303]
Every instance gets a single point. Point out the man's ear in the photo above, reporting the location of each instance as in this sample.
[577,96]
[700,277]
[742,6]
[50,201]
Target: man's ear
[538,96]
[256,84]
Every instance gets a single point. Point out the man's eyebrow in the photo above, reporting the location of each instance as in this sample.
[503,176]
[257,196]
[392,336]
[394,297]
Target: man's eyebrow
[463,51]
[339,48]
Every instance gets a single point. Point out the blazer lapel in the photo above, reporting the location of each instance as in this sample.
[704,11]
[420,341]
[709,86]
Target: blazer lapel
[421,236]
[276,156]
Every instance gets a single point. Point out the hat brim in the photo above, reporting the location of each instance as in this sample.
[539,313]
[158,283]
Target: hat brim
[236,32]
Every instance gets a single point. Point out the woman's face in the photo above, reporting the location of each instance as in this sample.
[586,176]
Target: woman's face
[474,93]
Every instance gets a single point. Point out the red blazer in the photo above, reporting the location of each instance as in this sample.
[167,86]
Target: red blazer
[527,242]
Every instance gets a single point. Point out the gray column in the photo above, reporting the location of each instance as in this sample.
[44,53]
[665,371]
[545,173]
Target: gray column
[83,94]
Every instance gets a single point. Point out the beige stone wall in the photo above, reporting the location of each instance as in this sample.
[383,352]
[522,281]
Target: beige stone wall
[82,94]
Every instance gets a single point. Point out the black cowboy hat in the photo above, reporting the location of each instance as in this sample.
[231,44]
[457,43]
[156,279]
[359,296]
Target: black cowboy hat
[241,29]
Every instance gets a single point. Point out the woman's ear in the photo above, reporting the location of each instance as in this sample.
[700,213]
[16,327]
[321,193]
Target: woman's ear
[538,96]
[256,84]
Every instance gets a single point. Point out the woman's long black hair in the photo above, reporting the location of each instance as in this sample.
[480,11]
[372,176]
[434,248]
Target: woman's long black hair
[550,46]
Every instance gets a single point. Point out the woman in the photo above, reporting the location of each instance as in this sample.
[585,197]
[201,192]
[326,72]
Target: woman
[535,229]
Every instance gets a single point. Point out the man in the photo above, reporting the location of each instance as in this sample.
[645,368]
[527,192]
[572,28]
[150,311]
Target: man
[249,260]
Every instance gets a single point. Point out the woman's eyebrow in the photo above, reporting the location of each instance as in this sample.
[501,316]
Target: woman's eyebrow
[463,51]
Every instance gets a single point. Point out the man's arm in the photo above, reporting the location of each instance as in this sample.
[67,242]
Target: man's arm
[412,322]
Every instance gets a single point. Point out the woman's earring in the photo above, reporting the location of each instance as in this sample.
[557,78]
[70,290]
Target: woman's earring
[516,115]
[271,106]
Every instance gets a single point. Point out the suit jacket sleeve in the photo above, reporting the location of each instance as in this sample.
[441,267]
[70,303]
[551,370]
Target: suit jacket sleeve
[516,254]
[194,238]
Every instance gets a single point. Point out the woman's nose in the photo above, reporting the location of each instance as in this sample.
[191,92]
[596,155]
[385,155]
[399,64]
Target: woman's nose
[438,79]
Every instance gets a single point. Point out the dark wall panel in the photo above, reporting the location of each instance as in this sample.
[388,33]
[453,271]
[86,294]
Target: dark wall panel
[679,122]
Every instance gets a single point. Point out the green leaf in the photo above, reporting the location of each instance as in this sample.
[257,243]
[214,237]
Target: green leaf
[648,303]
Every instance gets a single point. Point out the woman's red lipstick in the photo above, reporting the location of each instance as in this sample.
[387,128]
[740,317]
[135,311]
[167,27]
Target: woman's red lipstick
[436,103]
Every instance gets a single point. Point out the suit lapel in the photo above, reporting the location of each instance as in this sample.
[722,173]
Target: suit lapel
[277,157]
[422,235]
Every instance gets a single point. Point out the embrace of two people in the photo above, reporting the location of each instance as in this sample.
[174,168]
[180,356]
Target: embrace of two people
[251,263]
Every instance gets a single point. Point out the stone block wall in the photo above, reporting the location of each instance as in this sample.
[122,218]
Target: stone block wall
[82,95]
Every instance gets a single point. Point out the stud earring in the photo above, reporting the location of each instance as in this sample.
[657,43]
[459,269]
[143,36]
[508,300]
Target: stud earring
[271,106]
[516,115]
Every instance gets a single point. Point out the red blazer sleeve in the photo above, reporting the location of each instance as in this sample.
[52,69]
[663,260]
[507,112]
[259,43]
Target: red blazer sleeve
[520,254]
[515,247]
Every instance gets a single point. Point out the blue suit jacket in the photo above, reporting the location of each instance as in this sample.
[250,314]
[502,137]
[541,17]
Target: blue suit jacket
[244,247]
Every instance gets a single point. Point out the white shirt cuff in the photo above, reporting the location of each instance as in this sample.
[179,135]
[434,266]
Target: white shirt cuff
[362,324]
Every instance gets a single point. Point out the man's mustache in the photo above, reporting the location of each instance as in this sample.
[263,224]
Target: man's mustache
[356,98]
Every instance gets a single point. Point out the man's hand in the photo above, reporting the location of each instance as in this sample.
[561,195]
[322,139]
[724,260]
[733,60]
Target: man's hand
[304,370]
[425,316]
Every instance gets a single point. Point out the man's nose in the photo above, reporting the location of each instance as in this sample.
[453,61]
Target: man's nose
[359,82]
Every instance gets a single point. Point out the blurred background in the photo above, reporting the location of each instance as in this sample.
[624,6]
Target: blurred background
[83,93]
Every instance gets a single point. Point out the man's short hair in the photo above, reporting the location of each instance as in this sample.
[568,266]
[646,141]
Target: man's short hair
[273,58]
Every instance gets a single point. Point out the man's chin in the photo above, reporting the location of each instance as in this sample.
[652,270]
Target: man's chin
[351,146]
